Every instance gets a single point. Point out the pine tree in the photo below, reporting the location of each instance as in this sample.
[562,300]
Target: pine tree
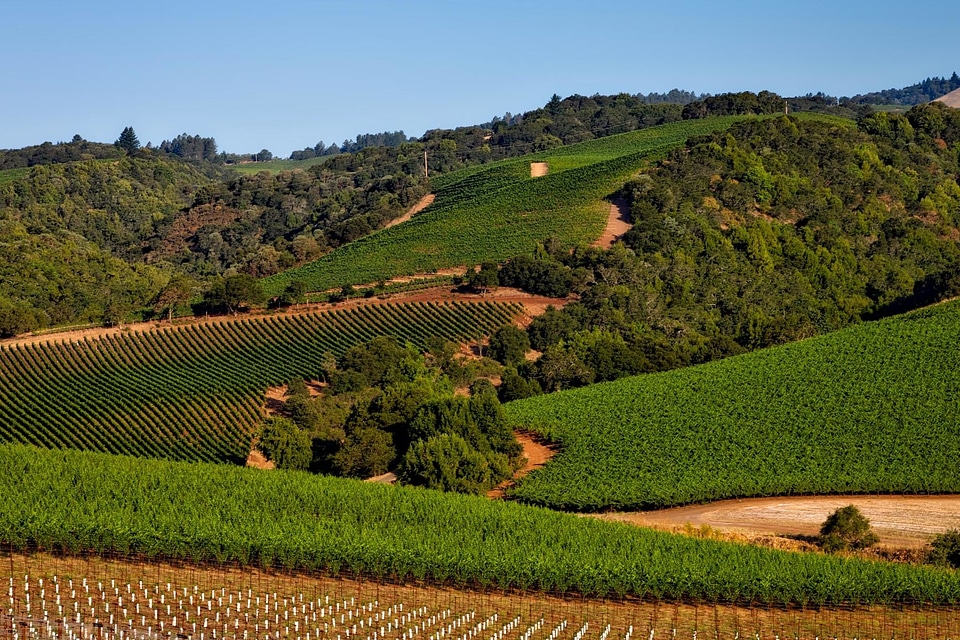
[128,140]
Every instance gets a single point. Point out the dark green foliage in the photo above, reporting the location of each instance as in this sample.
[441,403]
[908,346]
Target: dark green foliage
[543,277]
[945,549]
[128,140]
[319,524]
[514,386]
[366,452]
[509,345]
[560,368]
[846,528]
[373,364]
[285,444]
[484,277]
[232,293]
[48,153]
[446,462]
[868,409]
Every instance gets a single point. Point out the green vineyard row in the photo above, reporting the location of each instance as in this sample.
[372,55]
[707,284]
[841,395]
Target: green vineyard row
[869,409]
[86,502]
[195,392]
[496,211]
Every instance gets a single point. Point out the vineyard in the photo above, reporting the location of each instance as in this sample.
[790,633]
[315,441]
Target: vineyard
[82,502]
[195,392]
[869,409]
[496,211]
[98,597]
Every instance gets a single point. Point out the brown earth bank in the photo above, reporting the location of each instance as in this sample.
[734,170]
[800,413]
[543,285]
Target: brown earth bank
[533,305]
[901,522]
[535,451]
[618,223]
[134,595]
[423,203]
[952,99]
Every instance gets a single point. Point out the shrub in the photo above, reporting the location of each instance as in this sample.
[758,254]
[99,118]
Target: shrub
[945,549]
[846,528]
[285,444]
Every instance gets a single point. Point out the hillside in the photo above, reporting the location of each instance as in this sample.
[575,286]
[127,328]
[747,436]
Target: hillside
[952,99]
[869,409]
[216,514]
[495,211]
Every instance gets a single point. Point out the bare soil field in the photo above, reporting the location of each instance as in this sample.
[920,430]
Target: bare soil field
[899,521]
[539,169]
[618,223]
[952,99]
[182,600]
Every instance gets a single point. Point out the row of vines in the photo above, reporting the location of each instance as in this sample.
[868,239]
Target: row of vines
[194,392]
[75,502]
[497,211]
[869,409]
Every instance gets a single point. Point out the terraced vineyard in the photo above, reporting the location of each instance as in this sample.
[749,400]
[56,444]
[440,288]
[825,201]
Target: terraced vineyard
[870,409]
[157,509]
[195,392]
[495,211]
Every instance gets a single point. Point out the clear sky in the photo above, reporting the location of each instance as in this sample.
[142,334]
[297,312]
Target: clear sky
[283,75]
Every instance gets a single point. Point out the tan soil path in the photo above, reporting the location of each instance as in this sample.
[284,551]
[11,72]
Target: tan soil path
[899,521]
[533,305]
[537,454]
[539,169]
[618,223]
[424,202]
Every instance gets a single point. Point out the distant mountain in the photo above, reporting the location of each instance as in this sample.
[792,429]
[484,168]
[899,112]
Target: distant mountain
[952,99]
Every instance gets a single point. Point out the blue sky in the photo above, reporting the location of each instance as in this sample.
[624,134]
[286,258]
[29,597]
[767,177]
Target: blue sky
[284,75]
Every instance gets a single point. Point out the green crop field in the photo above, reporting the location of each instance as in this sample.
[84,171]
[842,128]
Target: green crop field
[276,166]
[82,501]
[195,392]
[496,211]
[10,175]
[869,409]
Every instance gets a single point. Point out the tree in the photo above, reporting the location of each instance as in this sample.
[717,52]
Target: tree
[509,345]
[178,292]
[367,452]
[485,278]
[285,444]
[846,528]
[295,293]
[128,140]
[235,291]
[447,462]
[945,549]
[263,156]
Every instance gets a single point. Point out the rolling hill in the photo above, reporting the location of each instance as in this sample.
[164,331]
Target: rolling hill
[869,409]
[495,211]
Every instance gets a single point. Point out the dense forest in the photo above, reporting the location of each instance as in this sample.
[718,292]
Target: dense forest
[776,230]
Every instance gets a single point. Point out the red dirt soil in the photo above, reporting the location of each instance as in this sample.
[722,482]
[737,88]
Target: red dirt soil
[533,306]
[536,452]
[899,521]
[618,223]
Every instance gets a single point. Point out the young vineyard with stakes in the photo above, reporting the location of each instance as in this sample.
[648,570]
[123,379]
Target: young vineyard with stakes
[195,392]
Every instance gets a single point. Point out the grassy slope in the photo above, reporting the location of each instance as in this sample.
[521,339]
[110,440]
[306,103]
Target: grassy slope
[495,211]
[276,166]
[870,409]
[10,175]
[83,501]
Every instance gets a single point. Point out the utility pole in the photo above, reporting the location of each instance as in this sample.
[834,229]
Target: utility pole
[784,107]
[426,171]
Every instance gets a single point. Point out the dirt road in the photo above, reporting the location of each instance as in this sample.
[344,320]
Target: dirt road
[618,223]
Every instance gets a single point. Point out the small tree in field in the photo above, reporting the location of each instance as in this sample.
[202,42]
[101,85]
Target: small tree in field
[846,528]
[285,444]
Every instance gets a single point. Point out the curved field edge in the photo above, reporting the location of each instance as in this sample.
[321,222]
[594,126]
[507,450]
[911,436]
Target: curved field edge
[76,501]
[496,211]
[869,409]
